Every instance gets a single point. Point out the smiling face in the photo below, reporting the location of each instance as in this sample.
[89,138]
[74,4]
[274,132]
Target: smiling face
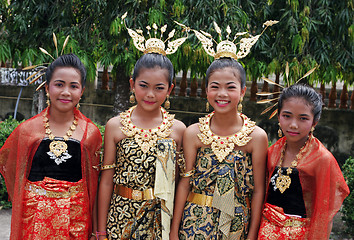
[296,119]
[151,87]
[224,90]
[65,89]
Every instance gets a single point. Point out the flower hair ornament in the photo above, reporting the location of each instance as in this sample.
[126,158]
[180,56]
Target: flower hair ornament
[227,48]
[41,68]
[155,44]
[266,94]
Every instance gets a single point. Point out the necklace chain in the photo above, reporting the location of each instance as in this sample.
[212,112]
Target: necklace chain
[283,182]
[58,147]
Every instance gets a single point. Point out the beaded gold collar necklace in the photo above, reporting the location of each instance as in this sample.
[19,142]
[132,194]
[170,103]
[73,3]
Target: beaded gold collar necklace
[58,147]
[146,138]
[222,146]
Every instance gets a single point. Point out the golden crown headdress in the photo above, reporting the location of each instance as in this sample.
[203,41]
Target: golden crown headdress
[227,48]
[154,44]
[41,68]
[266,94]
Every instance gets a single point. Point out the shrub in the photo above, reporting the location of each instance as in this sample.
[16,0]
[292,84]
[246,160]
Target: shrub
[348,204]
[6,128]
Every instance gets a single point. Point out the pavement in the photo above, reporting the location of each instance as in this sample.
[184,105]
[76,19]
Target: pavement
[5,223]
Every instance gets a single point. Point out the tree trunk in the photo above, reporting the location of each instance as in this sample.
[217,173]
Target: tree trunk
[332,96]
[203,93]
[344,98]
[265,88]
[352,101]
[105,79]
[38,102]
[254,90]
[323,93]
[121,93]
[183,84]
[276,88]
[194,87]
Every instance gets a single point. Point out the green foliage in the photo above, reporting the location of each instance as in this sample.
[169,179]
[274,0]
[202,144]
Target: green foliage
[6,128]
[348,204]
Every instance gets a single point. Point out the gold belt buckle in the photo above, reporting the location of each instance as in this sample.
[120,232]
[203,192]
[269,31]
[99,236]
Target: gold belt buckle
[137,195]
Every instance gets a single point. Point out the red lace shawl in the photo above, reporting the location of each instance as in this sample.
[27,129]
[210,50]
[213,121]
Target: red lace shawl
[322,182]
[16,160]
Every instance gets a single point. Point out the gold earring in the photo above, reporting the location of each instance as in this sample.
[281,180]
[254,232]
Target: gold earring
[78,104]
[280,133]
[132,97]
[167,102]
[207,106]
[312,129]
[239,107]
[48,100]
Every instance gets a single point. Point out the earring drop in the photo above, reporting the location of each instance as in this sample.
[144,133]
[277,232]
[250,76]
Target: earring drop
[312,129]
[48,100]
[132,97]
[207,106]
[167,102]
[78,105]
[239,107]
[280,133]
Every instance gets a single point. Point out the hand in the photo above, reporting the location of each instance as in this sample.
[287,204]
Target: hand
[174,235]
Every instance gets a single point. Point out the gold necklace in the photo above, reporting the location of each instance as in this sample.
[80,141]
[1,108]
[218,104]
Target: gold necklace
[283,181]
[58,147]
[146,138]
[222,146]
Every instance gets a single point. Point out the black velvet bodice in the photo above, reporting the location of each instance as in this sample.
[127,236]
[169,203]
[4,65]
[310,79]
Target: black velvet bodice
[67,170]
[291,200]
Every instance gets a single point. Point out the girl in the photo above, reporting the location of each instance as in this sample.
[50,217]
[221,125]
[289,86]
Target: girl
[225,163]
[305,184]
[136,190]
[47,162]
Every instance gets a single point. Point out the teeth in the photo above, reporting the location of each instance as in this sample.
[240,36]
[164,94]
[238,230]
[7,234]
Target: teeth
[222,102]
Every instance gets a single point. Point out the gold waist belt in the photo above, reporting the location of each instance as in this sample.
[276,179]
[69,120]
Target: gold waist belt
[38,190]
[200,199]
[138,195]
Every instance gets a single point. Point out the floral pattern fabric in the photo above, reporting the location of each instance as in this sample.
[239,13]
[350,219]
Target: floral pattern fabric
[230,182]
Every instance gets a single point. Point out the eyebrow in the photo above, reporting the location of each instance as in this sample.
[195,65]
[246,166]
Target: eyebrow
[158,84]
[304,114]
[228,83]
[62,81]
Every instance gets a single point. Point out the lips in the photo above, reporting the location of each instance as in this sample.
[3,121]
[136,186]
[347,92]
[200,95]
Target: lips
[64,100]
[148,102]
[293,133]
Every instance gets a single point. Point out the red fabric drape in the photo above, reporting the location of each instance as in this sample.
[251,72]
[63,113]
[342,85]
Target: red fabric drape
[322,182]
[16,160]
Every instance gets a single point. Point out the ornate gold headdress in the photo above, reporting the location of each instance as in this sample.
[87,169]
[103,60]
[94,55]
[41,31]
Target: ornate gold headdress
[154,44]
[41,68]
[227,48]
[266,94]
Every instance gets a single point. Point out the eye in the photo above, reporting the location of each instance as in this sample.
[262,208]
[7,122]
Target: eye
[75,86]
[143,85]
[285,115]
[304,118]
[160,88]
[58,84]
[231,87]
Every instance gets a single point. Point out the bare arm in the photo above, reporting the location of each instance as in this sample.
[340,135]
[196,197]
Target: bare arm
[190,147]
[259,154]
[106,182]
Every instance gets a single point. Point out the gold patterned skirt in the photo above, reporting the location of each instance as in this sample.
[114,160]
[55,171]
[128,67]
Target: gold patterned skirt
[276,225]
[55,209]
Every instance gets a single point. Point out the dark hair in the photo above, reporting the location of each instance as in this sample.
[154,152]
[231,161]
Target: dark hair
[67,60]
[152,60]
[313,98]
[224,63]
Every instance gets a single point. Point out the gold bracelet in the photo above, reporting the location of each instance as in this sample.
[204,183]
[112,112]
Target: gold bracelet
[106,167]
[188,174]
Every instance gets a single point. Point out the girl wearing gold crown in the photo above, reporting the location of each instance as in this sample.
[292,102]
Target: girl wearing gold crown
[47,162]
[305,184]
[137,186]
[221,192]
